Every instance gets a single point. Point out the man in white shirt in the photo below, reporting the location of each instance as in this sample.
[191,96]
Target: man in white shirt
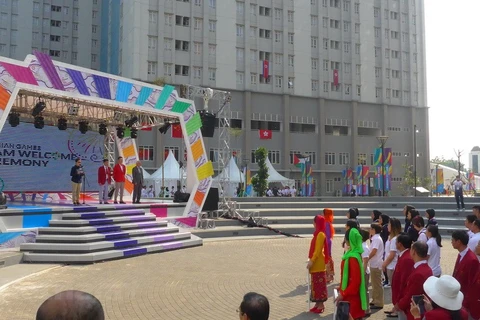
[376,260]
[475,239]
[269,193]
[293,192]
[469,220]
[458,187]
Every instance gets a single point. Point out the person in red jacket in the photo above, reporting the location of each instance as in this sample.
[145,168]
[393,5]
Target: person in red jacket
[119,172]
[418,276]
[466,266]
[104,180]
[403,270]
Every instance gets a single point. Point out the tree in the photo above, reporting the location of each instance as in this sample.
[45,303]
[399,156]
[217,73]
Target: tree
[408,182]
[452,163]
[259,181]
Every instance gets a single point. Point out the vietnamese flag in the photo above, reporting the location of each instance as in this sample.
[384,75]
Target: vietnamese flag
[335,77]
[265,134]
[177,130]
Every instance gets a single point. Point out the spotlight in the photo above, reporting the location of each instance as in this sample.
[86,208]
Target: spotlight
[83,126]
[62,124]
[120,132]
[133,133]
[38,108]
[102,129]
[39,122]
[131,122]
[163,129]
[14,119]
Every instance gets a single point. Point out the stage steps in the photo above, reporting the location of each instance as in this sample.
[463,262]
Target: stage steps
[88,237]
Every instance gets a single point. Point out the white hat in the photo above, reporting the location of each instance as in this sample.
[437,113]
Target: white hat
[444,291]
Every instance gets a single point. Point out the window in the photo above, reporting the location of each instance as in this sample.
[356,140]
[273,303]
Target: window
[357,27]
[212,74]
[212,50]
[386,14]
[54,38]
[395,35]
[414,58]
[274,156]
[348,88]
[75,12]
[387,73]
[314,41]
[325,65]
[404,17]
[378,92]
[75,41]
[362,159]
[75,26]
[330,158]
[335,24]
[263,33]
[344,158]
[393,15]
[372,159]
[377,32]
[94,14]
[395,54]
[357,8]
[326,84]
[240,77]
[376,12]
[346,47]
[240,30]
[145,153]
[314,20]
[314,64]
[387,53]
[395,74]
[197,24]
[278,36]
[240,54]
[291,60]
[198,3]
[167,69]
[36,6]
[182,45]
[152,16]
[167,43]
[56,9]
[329,186]
[74,55]
[152,68]
[388,93]
[212,25]
[253,32]
[181,70]
[55,53]
[182,21]
[264,11]
[175,151]
[264,55]
[278,14]
[290,16]
[346,5]
[378,72]
[346,26]
[94,43]
[335,65]
[278,82]
[253,78]
[55,23]
[212,3]
[168,19]
[324,3]
[253,9]
[240,8]
[359,91]
[253,55]
[290,38]
[314,85]
[396,93]
[335,3]
[197,72]
[152,43]
[347,67]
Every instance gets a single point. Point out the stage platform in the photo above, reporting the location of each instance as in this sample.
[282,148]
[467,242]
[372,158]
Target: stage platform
[58,231]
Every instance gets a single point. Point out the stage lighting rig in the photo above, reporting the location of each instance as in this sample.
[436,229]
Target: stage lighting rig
[14,119]
[39,107]
[133,133]
[39,122]
[163,129]
[83,126]
[120,132]
[102,129]
[129,123]
[62,124]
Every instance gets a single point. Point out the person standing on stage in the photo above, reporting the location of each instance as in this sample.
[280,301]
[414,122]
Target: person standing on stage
[104,180]
[119,172]
[137,179]
[77,175]
[458,187]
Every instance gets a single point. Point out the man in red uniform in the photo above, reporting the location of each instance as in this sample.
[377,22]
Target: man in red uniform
[104,180]
[473,295]
[403,270]
[466,267]
[415,281]
[119,172]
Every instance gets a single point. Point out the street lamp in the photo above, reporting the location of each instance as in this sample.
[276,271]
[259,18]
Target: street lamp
[383,140]
[415,131]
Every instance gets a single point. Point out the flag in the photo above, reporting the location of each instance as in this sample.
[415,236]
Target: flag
[177,130]
[146,129]
[335,77]
[265,134]
[298,162]
[266,67]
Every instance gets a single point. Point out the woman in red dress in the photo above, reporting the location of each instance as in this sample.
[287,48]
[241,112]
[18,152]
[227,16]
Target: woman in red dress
[318,256]
[352,284]
[330,232]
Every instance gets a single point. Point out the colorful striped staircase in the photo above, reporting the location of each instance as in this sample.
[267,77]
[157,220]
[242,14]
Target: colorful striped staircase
[88,237]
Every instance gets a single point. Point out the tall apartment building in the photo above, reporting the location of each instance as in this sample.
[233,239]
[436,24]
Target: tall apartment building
[68,30]
[341,73]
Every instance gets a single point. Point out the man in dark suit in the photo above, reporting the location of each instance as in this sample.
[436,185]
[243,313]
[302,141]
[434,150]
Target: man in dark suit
[104,180]
[466,266]
[417,277]
[403,270]
[137,180]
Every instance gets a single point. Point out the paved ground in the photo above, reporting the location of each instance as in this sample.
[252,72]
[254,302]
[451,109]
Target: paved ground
[204,283]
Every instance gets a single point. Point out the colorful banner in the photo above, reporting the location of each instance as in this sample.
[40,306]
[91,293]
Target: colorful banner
[440,186]
[471,181]
[386,159]
[362,180]
[347,175]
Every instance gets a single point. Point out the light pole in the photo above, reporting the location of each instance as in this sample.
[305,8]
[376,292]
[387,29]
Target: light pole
[383,140]
[415,160]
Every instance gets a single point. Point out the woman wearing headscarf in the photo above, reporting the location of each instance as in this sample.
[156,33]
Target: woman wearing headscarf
[319,256]
[352,283]
[430,215]
[353,213]
[330,232]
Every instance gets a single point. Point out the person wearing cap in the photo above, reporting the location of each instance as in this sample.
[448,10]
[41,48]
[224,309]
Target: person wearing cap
[443,300]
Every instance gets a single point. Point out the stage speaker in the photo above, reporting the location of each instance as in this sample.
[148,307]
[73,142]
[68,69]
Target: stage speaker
[211,203]
[208,123]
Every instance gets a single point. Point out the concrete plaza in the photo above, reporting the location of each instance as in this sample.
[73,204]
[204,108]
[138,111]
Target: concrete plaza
[203,283]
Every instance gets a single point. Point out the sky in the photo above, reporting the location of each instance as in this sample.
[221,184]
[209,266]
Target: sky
[453,69]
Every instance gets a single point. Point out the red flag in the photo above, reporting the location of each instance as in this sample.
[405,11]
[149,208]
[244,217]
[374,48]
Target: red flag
[177,130]
[265,134]
[266,66]
[335,77]
[146,129]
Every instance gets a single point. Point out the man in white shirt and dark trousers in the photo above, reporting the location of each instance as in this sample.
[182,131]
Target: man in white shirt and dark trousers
[376,260]
[458,187]
[475,239]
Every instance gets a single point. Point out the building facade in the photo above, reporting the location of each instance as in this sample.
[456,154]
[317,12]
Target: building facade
[68,30]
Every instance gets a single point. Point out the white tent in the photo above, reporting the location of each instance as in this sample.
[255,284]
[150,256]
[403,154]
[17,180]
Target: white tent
[234,176]
[171,169]
[274,176]
[146,175]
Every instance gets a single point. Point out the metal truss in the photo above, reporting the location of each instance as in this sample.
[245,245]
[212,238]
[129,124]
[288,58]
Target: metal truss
[222,110]
[109,145]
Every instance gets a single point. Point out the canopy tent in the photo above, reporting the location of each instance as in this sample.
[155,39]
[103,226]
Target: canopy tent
[171,169]
[234,176]
[274,176]
[146,175]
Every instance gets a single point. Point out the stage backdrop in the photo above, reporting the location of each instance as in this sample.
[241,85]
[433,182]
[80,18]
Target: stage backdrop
[40,159]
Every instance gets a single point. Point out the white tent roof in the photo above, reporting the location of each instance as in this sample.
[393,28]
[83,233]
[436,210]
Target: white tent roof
[171,169]
[146,175]
[274,176]
[234,174]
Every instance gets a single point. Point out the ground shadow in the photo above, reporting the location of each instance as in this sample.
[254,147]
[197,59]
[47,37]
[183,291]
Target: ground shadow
[298,291]
[310,316]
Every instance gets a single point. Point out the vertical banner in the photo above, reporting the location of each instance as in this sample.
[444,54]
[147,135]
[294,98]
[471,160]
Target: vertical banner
[365,180]
[359,175]
[266,67]
[440,184]
[344,179]
[387,156]
[309,177]
[378,159]
[349,180]
[471,180]
[335,77]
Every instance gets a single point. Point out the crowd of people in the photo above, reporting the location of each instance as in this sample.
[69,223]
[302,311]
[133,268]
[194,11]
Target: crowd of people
[285,192]
[406,260]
